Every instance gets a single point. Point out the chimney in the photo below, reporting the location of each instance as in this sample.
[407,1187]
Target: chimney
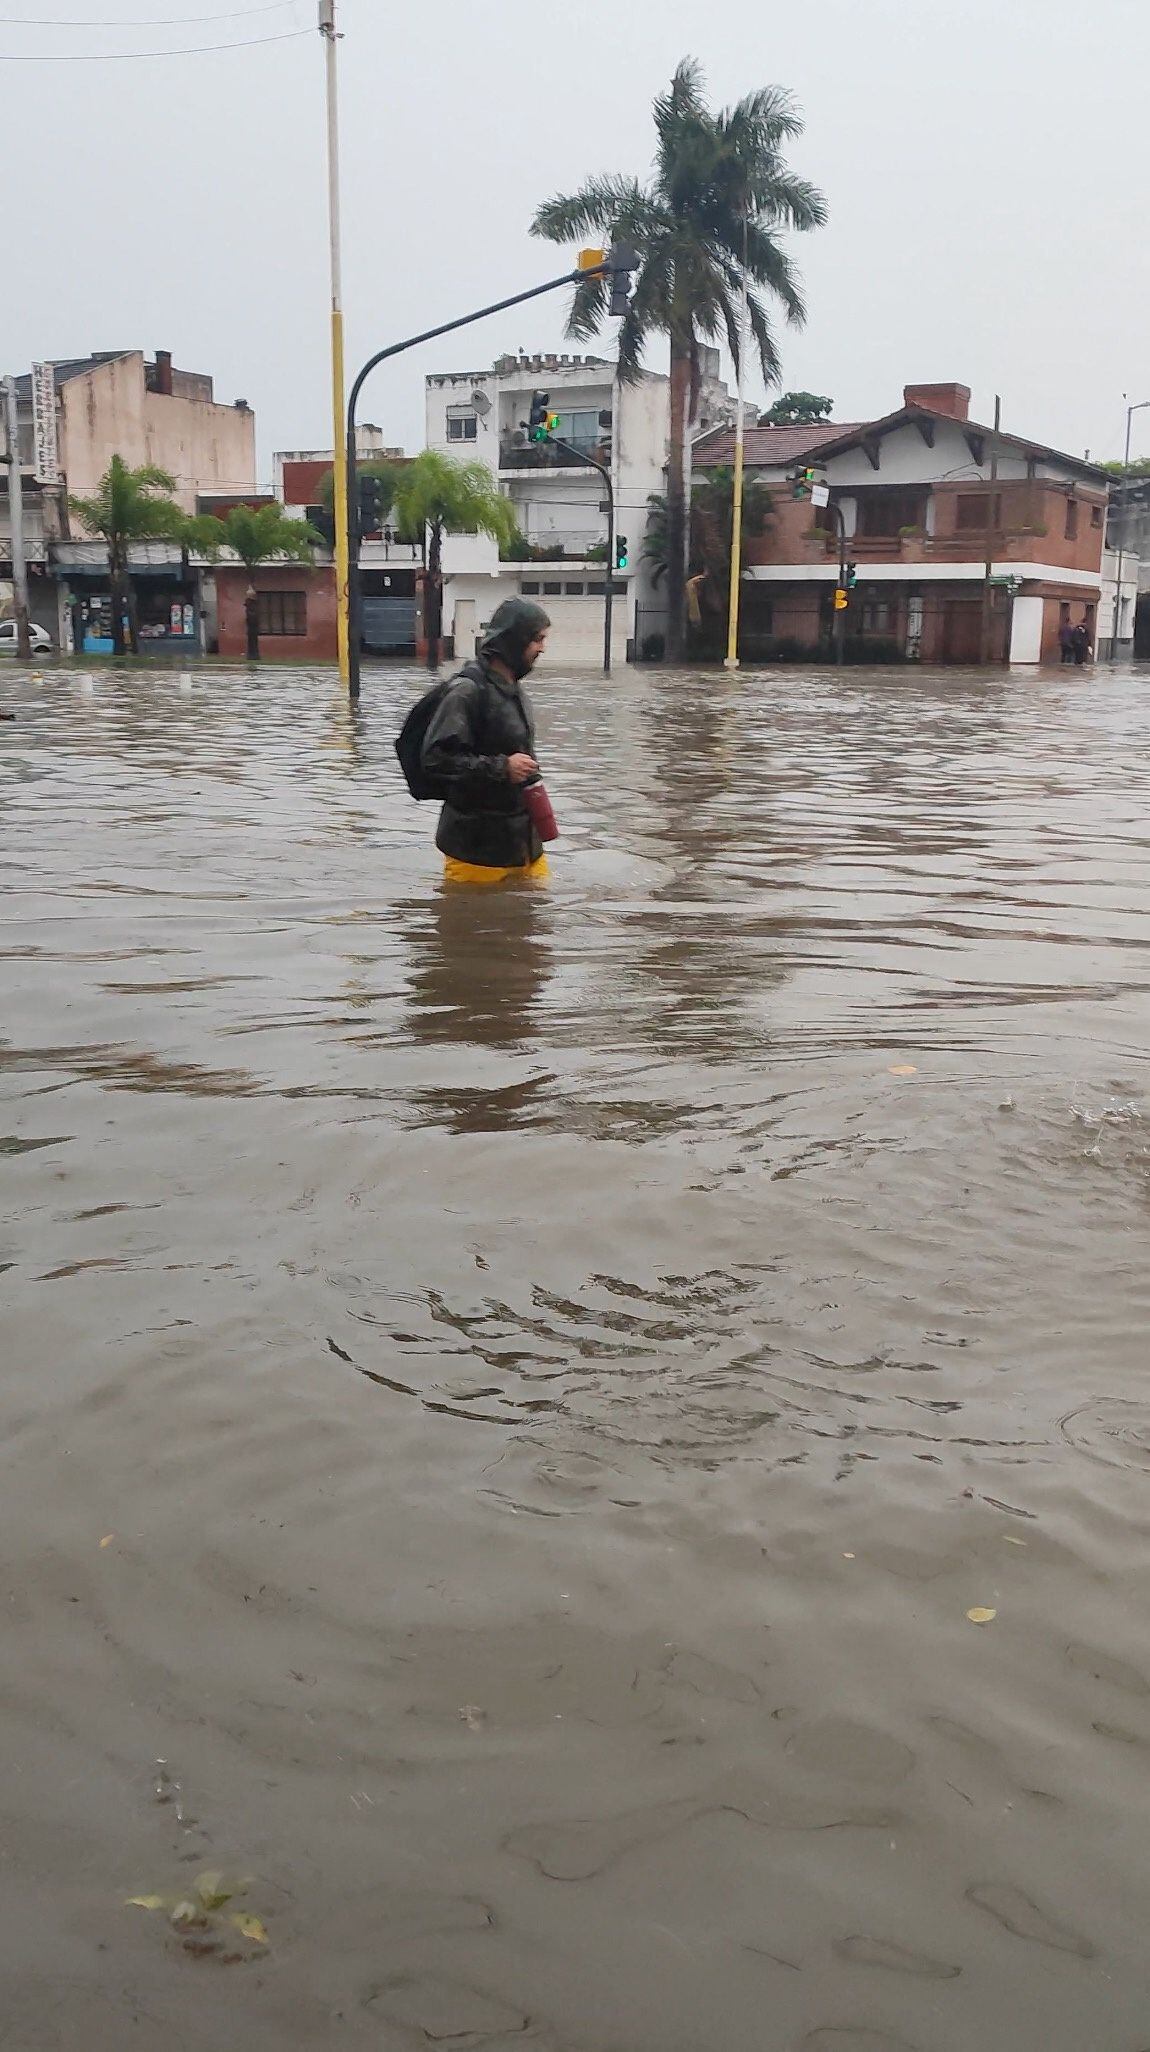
[952,399]
[164,371]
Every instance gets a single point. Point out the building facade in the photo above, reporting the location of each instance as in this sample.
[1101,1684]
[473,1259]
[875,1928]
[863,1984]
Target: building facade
[558,499]
[955,531]
[119,403]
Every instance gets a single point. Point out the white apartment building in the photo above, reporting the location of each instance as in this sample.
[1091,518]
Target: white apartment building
[559,502]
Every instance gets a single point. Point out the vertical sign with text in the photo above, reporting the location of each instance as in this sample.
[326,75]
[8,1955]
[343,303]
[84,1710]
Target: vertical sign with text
[45,451]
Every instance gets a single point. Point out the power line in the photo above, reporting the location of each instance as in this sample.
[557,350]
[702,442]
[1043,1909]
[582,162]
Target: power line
[143,21]
[129,56]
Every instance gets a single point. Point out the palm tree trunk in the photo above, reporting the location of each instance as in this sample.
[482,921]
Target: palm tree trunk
[252,619]
[434,589]
[133,614]
[116,579]
[677,498]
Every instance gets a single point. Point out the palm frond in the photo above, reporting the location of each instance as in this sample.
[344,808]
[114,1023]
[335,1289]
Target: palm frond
[596,209]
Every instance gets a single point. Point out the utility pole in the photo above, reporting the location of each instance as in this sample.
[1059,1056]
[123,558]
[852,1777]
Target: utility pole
[988,567]
[327,30]
[16,522]
[731,660]
[1124,502]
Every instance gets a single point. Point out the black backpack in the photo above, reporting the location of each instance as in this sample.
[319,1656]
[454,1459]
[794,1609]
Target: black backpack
[410,739]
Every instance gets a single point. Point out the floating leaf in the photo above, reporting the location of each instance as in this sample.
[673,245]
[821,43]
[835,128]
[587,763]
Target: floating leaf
[186,1912]
[212,1890]
[148,1902]
[107,1540]
[903,1069]
[981,1616]
[251,1927]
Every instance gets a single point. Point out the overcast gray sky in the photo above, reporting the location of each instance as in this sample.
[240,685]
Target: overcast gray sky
[986,163]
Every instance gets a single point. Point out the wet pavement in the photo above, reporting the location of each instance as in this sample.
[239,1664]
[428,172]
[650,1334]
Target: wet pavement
[509,1400]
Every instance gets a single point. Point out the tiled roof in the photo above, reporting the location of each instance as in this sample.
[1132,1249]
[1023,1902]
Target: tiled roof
[71,367]
[768,445]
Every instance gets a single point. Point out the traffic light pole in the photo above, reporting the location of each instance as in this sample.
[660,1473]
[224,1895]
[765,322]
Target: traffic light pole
[355,597]
[839,627]
[557,442]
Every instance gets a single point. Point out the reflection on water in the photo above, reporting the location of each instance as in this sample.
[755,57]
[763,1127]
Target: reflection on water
[510,1397]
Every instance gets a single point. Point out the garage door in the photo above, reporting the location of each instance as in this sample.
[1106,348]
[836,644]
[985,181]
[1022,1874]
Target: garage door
[389,626]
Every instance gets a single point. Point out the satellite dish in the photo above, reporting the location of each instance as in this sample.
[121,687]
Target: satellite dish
[481,403]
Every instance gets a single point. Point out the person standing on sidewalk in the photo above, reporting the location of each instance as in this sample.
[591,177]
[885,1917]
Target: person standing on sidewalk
[480,750]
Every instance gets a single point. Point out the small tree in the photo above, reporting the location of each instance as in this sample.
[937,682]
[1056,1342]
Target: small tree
[798,409]
[264,534]
[130,506]
[437,495]
[712,519]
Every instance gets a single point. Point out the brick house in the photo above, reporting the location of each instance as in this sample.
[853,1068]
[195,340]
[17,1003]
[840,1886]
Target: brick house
[923,517]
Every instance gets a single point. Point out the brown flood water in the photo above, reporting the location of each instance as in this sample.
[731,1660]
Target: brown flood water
[511,1398]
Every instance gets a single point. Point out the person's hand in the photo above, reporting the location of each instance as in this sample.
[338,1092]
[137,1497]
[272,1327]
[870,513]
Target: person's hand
[520,767]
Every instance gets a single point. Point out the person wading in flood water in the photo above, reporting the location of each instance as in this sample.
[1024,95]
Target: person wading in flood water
[479,750]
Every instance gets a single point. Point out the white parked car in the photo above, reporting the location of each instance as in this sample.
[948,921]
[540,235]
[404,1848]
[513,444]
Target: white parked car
[41,641]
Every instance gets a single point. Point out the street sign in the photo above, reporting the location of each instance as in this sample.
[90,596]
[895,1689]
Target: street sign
[841,599]
[46,456]
[820,495]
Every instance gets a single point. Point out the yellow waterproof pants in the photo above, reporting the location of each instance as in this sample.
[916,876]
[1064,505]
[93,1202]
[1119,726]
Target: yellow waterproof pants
[478,873]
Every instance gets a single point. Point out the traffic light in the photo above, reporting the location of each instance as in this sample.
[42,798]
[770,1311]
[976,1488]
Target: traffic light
[371,506]
[323,521]
[622,552]
[852,575]
[842,599]
[540,416]
[802,481]
[623,260]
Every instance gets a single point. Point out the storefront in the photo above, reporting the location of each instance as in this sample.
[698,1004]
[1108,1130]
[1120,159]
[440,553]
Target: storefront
[167,598]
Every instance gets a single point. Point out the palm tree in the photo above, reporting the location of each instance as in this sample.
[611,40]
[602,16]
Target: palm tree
[719,198]
[437,495]
[256,534]
[130,506]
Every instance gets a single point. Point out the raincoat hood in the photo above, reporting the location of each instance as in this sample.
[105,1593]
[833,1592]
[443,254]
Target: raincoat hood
[514,625]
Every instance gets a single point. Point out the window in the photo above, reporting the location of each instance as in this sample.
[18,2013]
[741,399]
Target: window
[580,427]
[597,590]
[283,612]
[876,616]
[530,590]
[1072,520]
[885,513]
[974,514]
[553,591]
[1096,516]
[572,591]
[618,588]
[462,425]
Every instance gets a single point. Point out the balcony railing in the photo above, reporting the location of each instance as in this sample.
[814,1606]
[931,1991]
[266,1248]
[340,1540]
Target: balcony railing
[522,455]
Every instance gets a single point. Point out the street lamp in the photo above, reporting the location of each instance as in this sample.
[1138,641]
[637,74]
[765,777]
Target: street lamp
[1117,622]
[615,264]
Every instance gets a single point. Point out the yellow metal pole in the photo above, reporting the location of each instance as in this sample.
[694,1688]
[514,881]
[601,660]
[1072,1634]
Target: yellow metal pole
[327,30]
[732,657]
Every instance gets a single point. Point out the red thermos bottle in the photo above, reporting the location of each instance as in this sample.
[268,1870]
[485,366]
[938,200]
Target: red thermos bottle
[539,806]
